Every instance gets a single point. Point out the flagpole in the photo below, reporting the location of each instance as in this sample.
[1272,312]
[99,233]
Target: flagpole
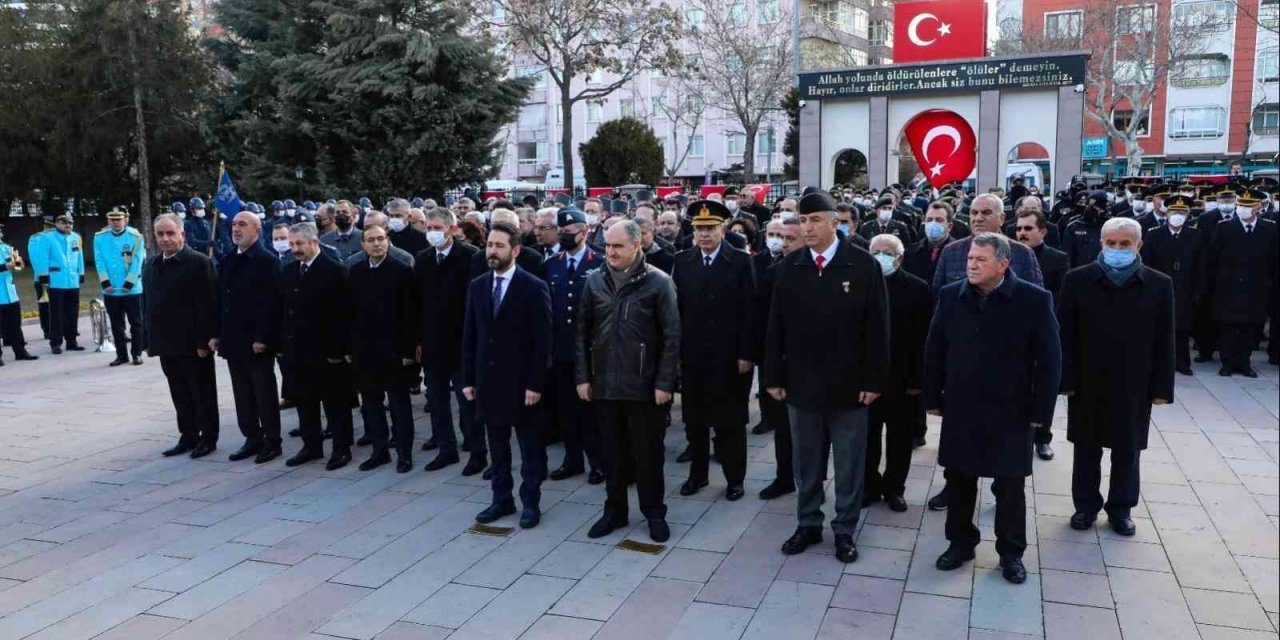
[213,232]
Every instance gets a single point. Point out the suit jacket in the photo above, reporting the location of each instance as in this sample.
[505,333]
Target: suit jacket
[384,328]
[717,320]
[919,260]
[764,263]
[504,355]
[248,302]
[181,303]
[910,308]
[315,325]
[530,261]
[1178,258]
[442,298]
[1240,271]
[1053,265]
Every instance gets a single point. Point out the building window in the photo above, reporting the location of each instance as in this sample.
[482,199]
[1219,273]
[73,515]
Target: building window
[530,153]
[765,142]
[696,18]
[1266,120]
[882,33]
[559,113]
[658,104]
[1133,72]
[857,57]
[533,71]
[1120,118]
[1269,65]
[595,110]
[1201,70]
[533,116]
[767,11]
[1135,19]
[1269,14]
[861,22]
[735,143]
[696,147]
[1192,123]
[1203,17]
[558,160]
[627,108]
[737,14]
[1063,25]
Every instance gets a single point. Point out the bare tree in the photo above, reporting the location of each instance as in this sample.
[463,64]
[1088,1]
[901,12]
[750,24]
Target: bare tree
[745,62]
[1135,51]
[683,103]
[605,43]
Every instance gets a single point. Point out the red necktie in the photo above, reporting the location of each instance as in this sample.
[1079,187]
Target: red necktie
[820,260]
[934,256]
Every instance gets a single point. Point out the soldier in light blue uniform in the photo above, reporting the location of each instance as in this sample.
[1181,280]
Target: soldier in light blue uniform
[62,272]
[10,306]
[118,254]
[35,251]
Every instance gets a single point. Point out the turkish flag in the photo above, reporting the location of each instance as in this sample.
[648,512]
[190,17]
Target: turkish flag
[944,145]
[942,30]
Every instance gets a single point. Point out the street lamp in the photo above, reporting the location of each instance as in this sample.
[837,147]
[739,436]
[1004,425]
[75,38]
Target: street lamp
[298,173]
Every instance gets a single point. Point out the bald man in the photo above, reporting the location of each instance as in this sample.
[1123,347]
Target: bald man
[248,337]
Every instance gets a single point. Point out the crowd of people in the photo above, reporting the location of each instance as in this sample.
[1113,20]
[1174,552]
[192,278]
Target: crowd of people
[853,313]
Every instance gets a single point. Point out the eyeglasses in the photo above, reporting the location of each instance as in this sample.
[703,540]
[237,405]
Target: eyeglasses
[547,227]
[983,212]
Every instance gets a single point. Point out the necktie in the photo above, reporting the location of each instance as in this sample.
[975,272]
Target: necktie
[573,265]
[933,257]
[302,270]
[820,260]
[439,257]
[706,261]
[497,293]
[1248,228]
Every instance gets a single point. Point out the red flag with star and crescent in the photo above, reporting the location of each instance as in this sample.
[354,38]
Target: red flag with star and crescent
[941,30]
[944,145]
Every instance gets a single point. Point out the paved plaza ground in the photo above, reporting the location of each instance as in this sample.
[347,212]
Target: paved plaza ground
[101,537]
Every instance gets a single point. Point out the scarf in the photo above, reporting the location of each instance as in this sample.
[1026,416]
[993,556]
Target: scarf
[1120,276]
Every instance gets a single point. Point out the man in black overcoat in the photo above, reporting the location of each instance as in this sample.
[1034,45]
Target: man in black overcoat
[1174,250]
[1240,266]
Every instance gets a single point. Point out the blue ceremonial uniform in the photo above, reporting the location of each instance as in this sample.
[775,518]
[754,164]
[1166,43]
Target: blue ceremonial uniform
[223,245]
[575,418]
[199,237]
[62,271]
[10,307]
[118,257]
[8,292]
[36,257]
[566,291]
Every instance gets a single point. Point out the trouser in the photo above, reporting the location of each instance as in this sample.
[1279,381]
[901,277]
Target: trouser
[438,382]
[702,412]
[253,384]
[1204,328]
[1182,349]
[11,326]
[194,390]
[375,418]
[632,431]
[1236,342]
[768,406]
[1011,512]
[533,463]
[1086,479]
[782,454]
[846,431]
[893,414]
[42,307]
[334,396]
[64,313]
[1043,434]
[919,418]
[578,422]
[118,309]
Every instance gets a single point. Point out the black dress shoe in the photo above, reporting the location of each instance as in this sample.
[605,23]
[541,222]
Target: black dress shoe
[1081,521]
[564,473]
[953,558]
[137,360]
[494,512]
[487,475]
[1045,451]
[202,450]
[1225,372]
[120,359]
[1186,371]
[1013,570]
[776,489]
[295,433]
[658,530]
[475,465]
[939,502]
[801,540]
[24,355]
[1122,526]
[267,455]
[846,551]
[1247,372]
[72,345]
[302,457]
[442,460]
[530,517]
[430,445]
[761,428]
[692,486]
[375,461]
[917,442]
[605,526]
[595,477]
[364,441]
[896,503]
[249,450]
[55,350]
[177,450]
[415,390]
[734,493]
[404,465]
[338,461]
[685,456]
[1204,357]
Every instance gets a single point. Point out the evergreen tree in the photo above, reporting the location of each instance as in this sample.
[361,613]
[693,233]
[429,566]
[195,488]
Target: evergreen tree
[623,151]
[791,144]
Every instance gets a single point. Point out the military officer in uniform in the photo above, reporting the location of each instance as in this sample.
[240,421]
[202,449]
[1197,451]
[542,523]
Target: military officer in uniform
[62,274]
[35,251]
[1083,237]
[10,306]
[576,419]
[1174,250]
[1240,266]
[118,255]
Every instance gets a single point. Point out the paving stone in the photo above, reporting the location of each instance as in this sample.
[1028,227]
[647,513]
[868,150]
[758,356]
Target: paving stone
[1068,622]
[515,609]
[865,593]
[653,610]
[1077,588]
[790,610]
[561,628]
[999,605]
[1226,609]
[1071,556]
[1134,555]
[688,564]
[1150,605]
[452,606]
[706,621]
[929,617]
[841,624]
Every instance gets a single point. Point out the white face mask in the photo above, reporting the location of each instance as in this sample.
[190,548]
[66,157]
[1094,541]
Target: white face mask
[1211,205]
[262,216]
[786,215]
[1177,220]
[1148,207]
[884,215]
[774,243]
[886,263]
[396,224]
[731,205]
[182,215]
[436,238]
[291,212]
[199,213]
[1138,206]
[1244,213]
[281,246]
[592,219]
[1228,207]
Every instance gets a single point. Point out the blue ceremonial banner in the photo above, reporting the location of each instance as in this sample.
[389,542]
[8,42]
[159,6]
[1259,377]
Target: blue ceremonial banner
[227,201]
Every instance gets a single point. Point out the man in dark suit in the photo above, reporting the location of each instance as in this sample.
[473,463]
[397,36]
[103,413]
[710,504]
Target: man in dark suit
[575,418]
[717,297]
[922,257]
[774,244]
[782,236]
[181,318]
[655,253]
[884,223]
[1174,250]
[403,235]
[530,261]
[442,274]
[249,337]
[384,342]
[1024,207]
[315,344]
[1240,268]
[1032,228]
[506,351]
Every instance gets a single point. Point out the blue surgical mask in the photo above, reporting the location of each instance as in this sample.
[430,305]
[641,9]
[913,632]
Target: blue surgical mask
[886,263]
[1118,258]
[844,228]
[934,231]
